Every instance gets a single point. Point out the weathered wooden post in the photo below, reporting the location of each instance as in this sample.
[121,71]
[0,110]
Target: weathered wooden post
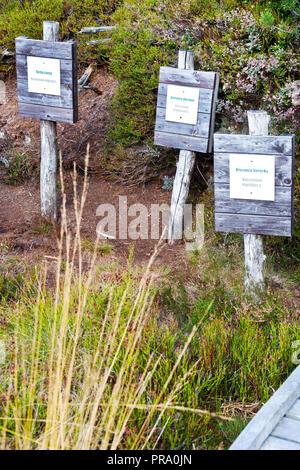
[184,170]
[49,151]
[258,122]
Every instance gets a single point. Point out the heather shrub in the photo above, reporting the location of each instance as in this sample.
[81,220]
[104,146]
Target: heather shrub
[140,47]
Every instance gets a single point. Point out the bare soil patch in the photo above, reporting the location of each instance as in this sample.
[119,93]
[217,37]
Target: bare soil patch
[21,231]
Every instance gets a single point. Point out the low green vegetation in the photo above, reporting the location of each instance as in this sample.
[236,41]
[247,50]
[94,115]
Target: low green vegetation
[10,285]
[176,364]
[127,358]
[26,17]
[21,167]
[253,45]
[124,358]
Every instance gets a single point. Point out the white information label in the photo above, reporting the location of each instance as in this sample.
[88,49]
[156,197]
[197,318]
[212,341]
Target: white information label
[182,104]
[252,177]
[43,75]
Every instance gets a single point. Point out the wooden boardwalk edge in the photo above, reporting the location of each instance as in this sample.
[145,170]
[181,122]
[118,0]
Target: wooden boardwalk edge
[263,423]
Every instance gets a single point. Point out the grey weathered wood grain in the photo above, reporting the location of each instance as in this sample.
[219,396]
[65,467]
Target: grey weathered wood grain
[275,443]
[258,122]
[268,145]
[161,113]
[294,411]
[256,224]
[207,82]
[262,425]
[48,113]
[184,142]
[288,429]
[201,129]
[205,98]
[180,192]
[39,48]
[98,41]
[48,173]
[282,147]
[283,169]
[182,77]
[282,205]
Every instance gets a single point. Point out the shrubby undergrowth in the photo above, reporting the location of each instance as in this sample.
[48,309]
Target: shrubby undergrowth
[257,59]
[252,44]
[113,360]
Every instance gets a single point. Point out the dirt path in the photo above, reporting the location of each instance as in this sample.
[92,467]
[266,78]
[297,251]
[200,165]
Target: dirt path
[21,231]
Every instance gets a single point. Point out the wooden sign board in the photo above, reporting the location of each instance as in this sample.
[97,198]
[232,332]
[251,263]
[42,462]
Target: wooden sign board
[252,176]
[253,179]
[47,79]
[186,105]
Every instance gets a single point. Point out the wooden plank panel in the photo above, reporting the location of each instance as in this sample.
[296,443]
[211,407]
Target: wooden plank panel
[47,113]
[283,169]
[268,145]
[205,99]
[288,429]
[294,411]
[275,443]
[65,100]
[183,142]
[257,224]
[201,129]
[39,48]
[282,206]
[66,69]
[192,78]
